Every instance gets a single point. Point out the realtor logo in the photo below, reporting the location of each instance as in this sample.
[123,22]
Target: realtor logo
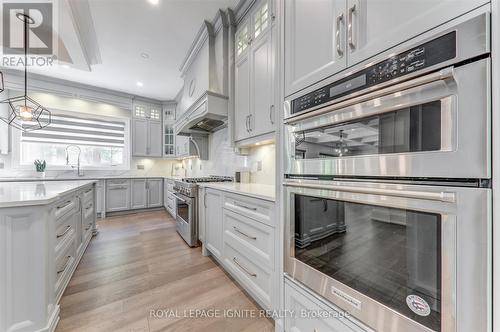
[41,42]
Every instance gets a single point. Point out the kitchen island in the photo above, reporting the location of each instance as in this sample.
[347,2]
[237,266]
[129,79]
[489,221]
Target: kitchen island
[45,228]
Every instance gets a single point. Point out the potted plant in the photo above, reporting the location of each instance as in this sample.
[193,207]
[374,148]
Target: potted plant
[40,167]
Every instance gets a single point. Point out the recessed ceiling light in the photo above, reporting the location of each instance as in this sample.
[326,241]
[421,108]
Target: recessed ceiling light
[144,55]
[140,84]
[65,66]
[154,2]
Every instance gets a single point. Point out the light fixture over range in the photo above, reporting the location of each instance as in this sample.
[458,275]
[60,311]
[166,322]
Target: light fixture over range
[24,112]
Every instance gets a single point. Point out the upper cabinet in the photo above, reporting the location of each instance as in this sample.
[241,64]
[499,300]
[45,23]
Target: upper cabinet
[168,130]
[146,130]
[255,77]
[326,36]
[314,41]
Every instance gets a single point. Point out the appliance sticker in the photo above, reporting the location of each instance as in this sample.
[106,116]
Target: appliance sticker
[418,305]
[347,298]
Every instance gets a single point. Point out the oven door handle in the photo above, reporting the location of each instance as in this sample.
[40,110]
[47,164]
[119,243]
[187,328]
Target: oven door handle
[430,196]
[180,199]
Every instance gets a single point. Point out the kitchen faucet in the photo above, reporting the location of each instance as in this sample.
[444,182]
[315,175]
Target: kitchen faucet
[79,171]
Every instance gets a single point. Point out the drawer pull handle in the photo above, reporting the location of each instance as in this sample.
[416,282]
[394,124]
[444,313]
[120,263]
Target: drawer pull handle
[64,205]
[88,207]
[236,229]
[89,190]
[117,188]
[64,233]
[245,206]
[65,266]
[243,268]
[89,226]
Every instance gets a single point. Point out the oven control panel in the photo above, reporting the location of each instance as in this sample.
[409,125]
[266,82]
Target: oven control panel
[426,55]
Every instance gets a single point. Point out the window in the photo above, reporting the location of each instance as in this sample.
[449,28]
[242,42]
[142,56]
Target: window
[103,142]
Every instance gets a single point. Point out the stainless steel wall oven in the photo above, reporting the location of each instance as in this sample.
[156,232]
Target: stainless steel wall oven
[387,185]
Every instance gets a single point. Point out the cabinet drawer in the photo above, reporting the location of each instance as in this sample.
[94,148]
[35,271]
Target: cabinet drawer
[253,238]
[66,206]
[88,195]
[257,209]
[300,302]
[255,279]
[116,182]
[88,210]
[87,226]
[65,230]
[63,267]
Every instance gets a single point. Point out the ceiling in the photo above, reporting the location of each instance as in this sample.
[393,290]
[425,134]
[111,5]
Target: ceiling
[124,29]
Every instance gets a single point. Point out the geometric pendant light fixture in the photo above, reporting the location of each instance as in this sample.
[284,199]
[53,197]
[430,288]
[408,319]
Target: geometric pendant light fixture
[25,113]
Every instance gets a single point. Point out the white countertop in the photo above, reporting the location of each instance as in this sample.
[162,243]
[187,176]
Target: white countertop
[13,194]
[81,178]
[261,191]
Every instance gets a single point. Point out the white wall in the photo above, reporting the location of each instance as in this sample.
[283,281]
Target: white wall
[224,161]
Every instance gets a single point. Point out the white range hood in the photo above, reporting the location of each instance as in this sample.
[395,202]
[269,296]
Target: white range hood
[202,104]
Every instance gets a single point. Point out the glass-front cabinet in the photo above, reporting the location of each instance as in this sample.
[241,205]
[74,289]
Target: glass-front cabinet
[168,130]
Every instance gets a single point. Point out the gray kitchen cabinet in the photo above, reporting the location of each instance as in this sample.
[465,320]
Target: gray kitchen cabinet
[100,197]
[314,41]
[255,73]
[373,33]
[213,222]
[154,192]
[138,194]
[147,131]
[118,195]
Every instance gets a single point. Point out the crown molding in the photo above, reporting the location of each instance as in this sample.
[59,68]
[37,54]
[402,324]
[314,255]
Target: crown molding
[205,32]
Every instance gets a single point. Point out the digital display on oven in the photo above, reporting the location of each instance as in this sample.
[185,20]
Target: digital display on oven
[348,85]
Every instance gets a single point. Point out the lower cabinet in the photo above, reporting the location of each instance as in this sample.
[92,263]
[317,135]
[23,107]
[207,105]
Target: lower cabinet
[168,197]
[138,194]
[309,313]
[118,194]
[239,232]
[154,192]
[213,221]
[132,194]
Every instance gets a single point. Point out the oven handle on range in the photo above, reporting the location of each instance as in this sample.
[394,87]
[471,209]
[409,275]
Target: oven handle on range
[379,91]
[180,199]
[433,196]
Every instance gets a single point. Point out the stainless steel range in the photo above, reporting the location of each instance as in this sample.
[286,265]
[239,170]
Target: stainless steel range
[186,197]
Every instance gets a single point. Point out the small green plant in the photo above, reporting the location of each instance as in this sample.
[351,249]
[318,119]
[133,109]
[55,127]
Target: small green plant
[40,165]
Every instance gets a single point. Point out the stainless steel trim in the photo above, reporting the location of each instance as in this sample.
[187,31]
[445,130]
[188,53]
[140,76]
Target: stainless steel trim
[351,41]
[244,206]
[236,229]
[63,233]
[465,243]
[437,76]
[65,265]
[340,18]
[243,268]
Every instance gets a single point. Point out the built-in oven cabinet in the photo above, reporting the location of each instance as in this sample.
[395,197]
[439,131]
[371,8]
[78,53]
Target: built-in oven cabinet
[397,257]
[309,313]
[345,33]
[371,32]
[213,221]
[417,128]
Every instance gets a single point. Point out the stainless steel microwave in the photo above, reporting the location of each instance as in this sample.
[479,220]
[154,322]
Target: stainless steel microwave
[417,114]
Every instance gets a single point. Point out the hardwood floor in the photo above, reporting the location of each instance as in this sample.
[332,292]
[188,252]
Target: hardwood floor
[138,270]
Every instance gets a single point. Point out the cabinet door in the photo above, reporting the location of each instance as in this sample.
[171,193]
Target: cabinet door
[138,194]
[379,25]
[155,142]
[314,41]
[242,84]
[117,198]
[155,192]
[99,196]
[139,137]
[261,77]
[213,222]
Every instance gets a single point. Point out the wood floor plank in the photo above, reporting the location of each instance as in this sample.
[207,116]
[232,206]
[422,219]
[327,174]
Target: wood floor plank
[138,265]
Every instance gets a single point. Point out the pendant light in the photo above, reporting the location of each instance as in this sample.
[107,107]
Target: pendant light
[25,113]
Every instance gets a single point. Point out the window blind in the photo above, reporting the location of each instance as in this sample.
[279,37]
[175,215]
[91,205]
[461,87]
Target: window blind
[66,129]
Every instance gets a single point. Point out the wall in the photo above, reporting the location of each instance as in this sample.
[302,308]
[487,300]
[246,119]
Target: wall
[224,161]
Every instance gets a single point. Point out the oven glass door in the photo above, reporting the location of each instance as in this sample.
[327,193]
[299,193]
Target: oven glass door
[391,255]
[183,207]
